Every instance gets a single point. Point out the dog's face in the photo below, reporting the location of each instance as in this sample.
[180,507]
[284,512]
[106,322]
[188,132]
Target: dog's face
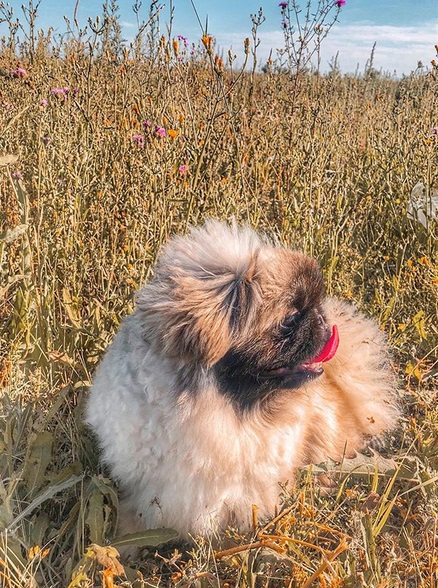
[288,330]
[226,302]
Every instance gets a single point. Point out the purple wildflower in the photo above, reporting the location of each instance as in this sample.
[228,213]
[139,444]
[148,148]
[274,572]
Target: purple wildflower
[161,131]
[340,3]
[283,5]
[184,40]
[20,72]
[138,140]
[183,169]
[17,175]
[62,91]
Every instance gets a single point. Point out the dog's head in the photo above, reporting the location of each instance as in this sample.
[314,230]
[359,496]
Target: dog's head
[226,300]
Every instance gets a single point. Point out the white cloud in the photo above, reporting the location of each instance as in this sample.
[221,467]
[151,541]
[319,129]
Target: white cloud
[128,25]
[398,48]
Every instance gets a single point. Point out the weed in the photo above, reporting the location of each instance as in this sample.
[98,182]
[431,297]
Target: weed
[104,152]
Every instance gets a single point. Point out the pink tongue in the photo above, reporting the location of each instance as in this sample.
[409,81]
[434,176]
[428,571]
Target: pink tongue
[330,348]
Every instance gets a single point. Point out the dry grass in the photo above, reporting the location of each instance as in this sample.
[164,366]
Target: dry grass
[325,163]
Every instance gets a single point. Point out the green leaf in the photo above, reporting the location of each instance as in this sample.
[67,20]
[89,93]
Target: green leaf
[149,538]
[38,458]
[106,487]
[72,469]
[46,494]
[419,321]
[95,517]
[38,528]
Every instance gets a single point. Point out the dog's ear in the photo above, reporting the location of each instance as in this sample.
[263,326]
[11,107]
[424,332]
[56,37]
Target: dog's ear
[203,292]
[194,312]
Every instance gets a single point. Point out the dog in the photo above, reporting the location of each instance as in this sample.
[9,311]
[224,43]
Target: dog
[233,370]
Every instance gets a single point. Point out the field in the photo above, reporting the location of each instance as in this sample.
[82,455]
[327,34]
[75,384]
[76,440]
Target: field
[103,155]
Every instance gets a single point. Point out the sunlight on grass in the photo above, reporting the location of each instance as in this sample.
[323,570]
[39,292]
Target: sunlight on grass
[102,157]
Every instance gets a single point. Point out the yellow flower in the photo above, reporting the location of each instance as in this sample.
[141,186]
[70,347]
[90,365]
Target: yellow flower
[108,576]
[36,550]
[173,133]
[33,552]
[207,41]
[218,64]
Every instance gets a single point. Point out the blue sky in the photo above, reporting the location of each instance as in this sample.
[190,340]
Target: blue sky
[405,31]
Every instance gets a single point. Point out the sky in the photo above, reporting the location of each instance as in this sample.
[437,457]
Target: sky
[405,31]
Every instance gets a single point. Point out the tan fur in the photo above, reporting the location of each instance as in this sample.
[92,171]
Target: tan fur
[185,454]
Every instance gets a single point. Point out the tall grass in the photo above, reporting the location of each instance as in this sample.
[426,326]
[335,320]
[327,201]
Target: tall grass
[90,189]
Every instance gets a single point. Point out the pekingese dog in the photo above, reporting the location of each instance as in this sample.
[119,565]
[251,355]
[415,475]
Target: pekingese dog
[233,371]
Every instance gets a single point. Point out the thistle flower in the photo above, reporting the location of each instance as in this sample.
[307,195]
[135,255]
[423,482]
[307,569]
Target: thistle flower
[161,131]
[20,72]
[183,40]
[138,140]
[340,3]
[283,5]
[59,91]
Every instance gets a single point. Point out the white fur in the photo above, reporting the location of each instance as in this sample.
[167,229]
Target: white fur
[194,463]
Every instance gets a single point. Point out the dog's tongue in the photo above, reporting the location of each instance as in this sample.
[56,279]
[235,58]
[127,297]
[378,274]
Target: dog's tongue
[330,348]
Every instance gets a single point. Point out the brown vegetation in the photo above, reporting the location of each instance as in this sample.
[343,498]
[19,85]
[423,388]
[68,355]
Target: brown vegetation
[93,179]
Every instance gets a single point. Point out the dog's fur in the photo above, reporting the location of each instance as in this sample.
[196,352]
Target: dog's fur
[205,400]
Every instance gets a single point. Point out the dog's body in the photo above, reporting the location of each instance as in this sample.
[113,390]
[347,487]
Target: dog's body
[209,397]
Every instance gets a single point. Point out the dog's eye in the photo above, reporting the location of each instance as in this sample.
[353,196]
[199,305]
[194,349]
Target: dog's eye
[290,322]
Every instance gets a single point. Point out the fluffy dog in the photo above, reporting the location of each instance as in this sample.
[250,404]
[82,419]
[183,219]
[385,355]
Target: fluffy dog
[233,371]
